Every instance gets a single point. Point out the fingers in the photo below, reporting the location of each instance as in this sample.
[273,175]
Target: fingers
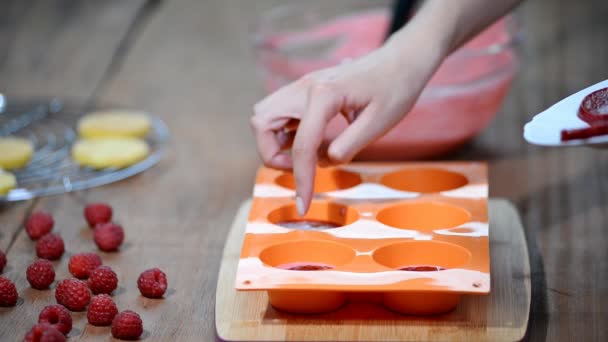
[282,109]
[365,129]
[322,105]
[270,144]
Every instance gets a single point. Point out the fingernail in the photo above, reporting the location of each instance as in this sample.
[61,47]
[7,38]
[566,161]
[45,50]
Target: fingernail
[300,206]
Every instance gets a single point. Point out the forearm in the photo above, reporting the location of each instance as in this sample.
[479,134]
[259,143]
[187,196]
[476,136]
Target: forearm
[441,26]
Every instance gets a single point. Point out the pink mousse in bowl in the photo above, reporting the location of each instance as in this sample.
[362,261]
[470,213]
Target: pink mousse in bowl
[460,100]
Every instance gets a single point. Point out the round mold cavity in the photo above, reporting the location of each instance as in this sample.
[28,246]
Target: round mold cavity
[313,253]
[442,255]
[424,180]
[332,214]
[424,216]
[326,180]
[306,302]
[420,303]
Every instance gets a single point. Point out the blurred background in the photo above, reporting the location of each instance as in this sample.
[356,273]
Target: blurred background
[209,61]
[200,65]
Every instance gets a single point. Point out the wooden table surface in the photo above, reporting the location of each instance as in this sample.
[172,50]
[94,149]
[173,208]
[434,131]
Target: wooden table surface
[190,62]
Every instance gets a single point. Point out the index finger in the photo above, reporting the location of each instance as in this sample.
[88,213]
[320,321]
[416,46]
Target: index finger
[322,106]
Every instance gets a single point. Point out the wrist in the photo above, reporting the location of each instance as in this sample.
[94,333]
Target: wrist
[416,52]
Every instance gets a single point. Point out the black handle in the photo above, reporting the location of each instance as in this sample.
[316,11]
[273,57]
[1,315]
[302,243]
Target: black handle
[402,10]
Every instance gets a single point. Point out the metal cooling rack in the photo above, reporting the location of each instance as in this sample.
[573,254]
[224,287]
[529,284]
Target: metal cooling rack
[50,126]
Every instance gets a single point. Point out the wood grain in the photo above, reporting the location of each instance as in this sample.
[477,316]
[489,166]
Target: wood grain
[56,48]
[51,48]
[190,62]
[501,316]
[60,47]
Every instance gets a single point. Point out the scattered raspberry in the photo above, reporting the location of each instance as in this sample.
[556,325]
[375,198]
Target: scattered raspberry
[127,325]
[82,264]
[97,213]
[102,310]
[44,332]
[8,293]
[109,236]
[103,280]
[2,261]
[40,274]
[38,224]
[50,247]
[57,316]
[73,294]
[152,283]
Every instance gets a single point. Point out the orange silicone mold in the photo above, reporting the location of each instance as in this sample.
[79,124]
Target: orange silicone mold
[410,236]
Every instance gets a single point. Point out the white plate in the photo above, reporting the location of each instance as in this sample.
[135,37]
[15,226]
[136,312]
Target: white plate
[545,128]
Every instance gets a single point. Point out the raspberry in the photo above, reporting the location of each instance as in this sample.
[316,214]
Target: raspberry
[50,247]
[38,224]
[73,294]
[8,292]
[108,236]
[152,283]
[127,325]
[57,316]
[82,264]
[102,310]
[44,332]
[40,274]
[2,261]
[97,213]
[103,280]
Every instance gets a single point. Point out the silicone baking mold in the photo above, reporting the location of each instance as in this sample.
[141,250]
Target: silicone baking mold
[410,236]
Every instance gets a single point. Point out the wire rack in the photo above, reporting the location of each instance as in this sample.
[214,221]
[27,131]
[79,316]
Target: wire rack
[50,127]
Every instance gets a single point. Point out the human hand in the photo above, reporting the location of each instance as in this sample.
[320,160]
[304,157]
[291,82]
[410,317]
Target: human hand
[373,94]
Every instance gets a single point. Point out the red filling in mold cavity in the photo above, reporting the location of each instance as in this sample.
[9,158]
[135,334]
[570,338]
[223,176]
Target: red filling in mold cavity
[422,268]
[305,266]
[594,111]
[308,224]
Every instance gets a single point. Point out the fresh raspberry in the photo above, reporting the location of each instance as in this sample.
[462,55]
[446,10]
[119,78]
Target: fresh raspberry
[50,247]
[38,224]
[73,294]
[57,316]
[152,283]
[82,264]
[40,274]
[103,280]
[2,261]
[127,325]
[108,236]
[102,310]
[44,332]
[97,213]
[8,292]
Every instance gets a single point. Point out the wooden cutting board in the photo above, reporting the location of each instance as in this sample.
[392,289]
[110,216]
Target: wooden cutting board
[500,316]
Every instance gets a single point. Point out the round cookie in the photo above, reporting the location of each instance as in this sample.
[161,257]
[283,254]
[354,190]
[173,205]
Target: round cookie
[7,182]
[103,153]
[114,124]
[15,152]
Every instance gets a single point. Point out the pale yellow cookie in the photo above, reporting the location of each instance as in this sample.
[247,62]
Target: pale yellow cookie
[7,182]
[15,152]
[114,124]
[103,153]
